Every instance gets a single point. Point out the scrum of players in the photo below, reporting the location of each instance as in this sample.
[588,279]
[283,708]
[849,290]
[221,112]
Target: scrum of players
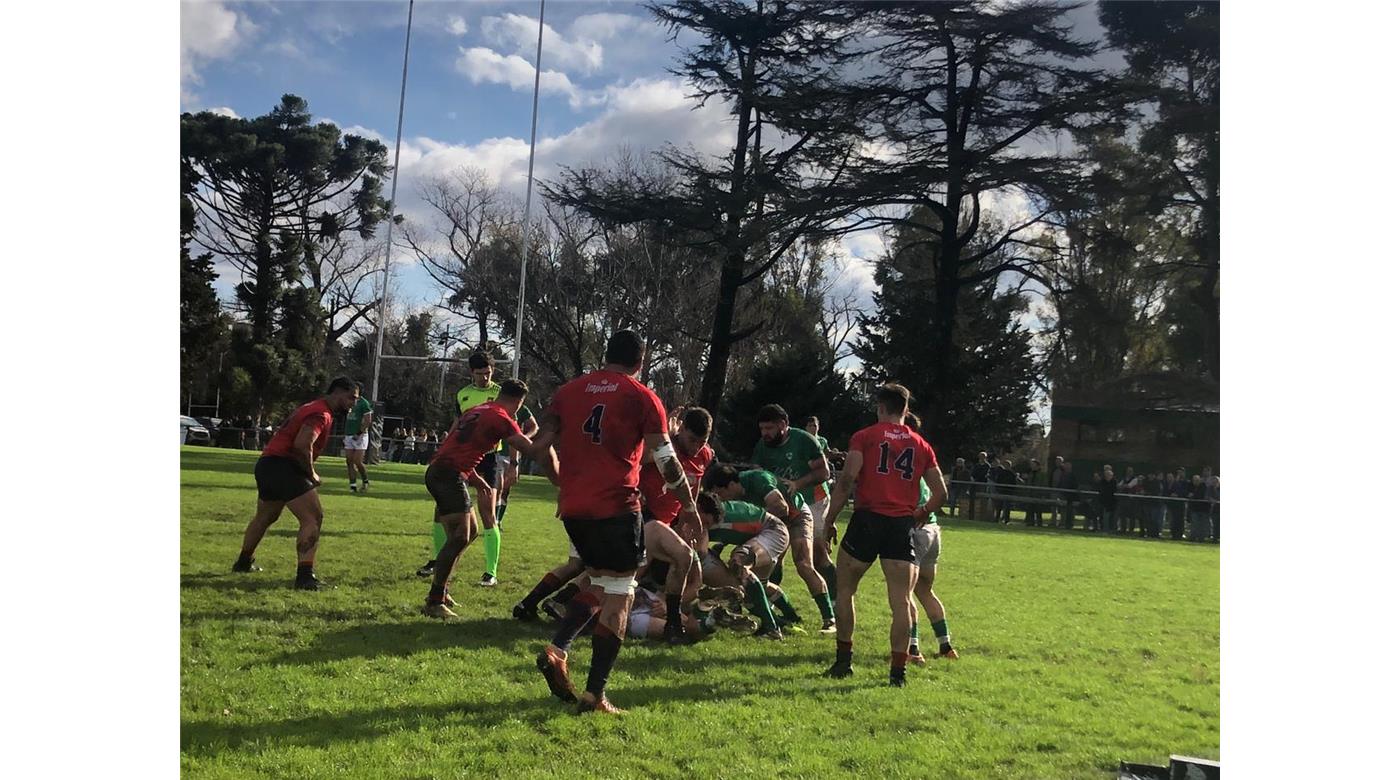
[664,542]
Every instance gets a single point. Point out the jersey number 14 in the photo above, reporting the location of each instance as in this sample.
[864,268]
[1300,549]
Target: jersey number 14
[904,462]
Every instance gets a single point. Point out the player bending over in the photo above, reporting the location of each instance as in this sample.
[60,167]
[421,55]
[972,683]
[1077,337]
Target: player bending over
[760,539]
[883,465]
[603,423]
[476,434]
[286,477]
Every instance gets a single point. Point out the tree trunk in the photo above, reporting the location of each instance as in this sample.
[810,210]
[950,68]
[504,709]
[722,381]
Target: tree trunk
[721,329]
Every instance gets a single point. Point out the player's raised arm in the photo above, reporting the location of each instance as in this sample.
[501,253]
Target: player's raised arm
[845,486]
[672,472]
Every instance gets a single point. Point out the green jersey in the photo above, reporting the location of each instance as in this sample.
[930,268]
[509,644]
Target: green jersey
[924,494]
[793,460]
[356,416]
[822,441]
[742,522]
[471,395]
[757,484]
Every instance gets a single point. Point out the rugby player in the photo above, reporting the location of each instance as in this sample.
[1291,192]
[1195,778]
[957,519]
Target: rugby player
[357,425]
[286,477]
[474,436]
[763,488]
[499,469]
[760,539]
[799,460]
[603,423]
[928,544]
[882,468]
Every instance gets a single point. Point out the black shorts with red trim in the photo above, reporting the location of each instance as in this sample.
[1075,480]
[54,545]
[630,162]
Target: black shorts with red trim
[871,535]
[448,489]
[611,543]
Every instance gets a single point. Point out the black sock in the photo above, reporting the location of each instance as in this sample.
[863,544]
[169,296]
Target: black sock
[545,587]
[580,613]
[567,594]
[245,559]
[436,594]
[673,609]
[304,570]
[606,645]
[844,653]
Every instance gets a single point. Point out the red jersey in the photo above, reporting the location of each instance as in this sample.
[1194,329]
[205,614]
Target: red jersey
[477,432]
[317,414]
[663,504]
[893,460]
[602,419]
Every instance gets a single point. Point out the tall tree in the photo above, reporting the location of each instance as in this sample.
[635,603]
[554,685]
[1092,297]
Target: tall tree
[775,65]
[1173,55]
[980,396]
[203,327]
[268,192]
[967,102]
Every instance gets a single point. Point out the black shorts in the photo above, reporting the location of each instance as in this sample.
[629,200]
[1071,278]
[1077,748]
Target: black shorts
[613,543]
[448,489]
[280,479]
[490,468]
[870,535]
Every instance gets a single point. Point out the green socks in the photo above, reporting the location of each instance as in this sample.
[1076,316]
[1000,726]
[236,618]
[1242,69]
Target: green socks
[491,537]
[758,603]
[914,638]
[824,605]
[940,631]
[784,606]
[439,538]
[777,576]
[829,574]
[500,514]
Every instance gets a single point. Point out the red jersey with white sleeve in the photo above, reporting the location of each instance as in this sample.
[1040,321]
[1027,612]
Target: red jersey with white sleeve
[663,504]
[477,432]
[893,460]
[317,414]
[603,417]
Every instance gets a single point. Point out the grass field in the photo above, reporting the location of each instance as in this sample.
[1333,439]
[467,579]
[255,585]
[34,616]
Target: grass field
[1077,652]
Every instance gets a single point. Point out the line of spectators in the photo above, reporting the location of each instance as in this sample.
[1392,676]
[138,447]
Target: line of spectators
[412,445]
[1125,504]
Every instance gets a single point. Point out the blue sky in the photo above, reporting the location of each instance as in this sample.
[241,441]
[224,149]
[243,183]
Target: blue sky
[604,85]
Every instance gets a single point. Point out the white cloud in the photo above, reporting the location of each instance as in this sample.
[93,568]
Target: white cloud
[522,32]
[208,32]
[224,111]
[606,26]
[481,64]
[457,26]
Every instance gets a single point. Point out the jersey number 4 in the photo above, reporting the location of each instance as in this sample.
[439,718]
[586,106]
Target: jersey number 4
[593,426]
[903,463]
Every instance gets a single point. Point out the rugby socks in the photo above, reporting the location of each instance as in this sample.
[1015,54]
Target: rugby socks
[546,586]
[897,664]
[305,569]
[758,604]
[777,576]
[824,605]
[567,593]
[844,652]
[940,630]
[829,574]
[439,538]
[914,638]
[673,609]
[245,558]
[491,537]
[581,611]
[500,513]
[784,606]
[606,645]
[437,594]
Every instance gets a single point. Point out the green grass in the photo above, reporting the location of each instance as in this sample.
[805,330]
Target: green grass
[1077,652]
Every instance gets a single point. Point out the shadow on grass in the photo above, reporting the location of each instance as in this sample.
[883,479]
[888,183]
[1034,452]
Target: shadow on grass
[211,737]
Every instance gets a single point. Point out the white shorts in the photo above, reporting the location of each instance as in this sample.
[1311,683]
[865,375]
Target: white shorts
[800,527]
[360,442]
[819,517]
[928,543]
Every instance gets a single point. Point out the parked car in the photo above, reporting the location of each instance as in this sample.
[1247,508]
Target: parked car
[192,432]
[211,424]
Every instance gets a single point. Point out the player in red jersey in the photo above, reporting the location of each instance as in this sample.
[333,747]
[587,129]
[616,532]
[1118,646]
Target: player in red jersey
[477,433]
[603,424]
[883,467]
[672,547]
[286,477]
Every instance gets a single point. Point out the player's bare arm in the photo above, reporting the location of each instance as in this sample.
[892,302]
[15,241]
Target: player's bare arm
[845,486]
[302,449]
[776,504]
[938,493]
[821,472]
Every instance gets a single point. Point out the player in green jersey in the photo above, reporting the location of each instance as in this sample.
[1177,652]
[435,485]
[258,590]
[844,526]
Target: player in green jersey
[799,461]
[357,424]
[928,545]
[760,538]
